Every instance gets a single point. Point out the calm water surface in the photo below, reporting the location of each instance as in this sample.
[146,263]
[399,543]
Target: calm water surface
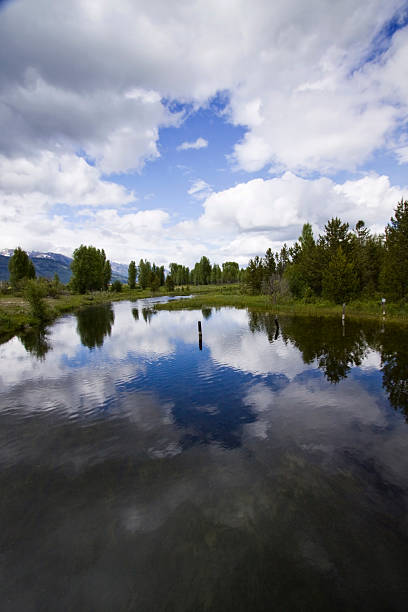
[267,471]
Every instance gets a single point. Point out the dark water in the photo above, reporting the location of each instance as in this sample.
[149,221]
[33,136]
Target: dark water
[267,471]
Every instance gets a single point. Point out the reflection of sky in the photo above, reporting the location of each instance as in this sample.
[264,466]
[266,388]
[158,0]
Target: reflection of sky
[239,383]
[167,446]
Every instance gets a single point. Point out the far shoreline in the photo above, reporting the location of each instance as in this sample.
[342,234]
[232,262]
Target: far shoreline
[15,317]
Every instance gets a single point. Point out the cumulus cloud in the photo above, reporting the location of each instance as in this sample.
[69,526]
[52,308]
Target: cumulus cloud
[100,78]
[200,143]
[281,205]
[97,74]
[57,178]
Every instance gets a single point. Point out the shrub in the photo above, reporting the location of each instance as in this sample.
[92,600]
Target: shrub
[35,292]
[116,286]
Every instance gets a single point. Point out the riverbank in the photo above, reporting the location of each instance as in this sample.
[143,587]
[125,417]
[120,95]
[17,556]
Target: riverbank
[370,309]
[15,317]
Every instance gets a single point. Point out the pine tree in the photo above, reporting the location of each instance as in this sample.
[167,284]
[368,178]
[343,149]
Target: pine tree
[340,281]
[394,275]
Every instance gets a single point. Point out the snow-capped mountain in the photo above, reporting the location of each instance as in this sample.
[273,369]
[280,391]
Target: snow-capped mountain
[48,264]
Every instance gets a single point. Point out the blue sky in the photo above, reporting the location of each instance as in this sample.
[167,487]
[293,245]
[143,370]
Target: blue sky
[172,130]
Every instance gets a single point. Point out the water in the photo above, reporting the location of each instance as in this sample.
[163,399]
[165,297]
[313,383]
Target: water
[267,471]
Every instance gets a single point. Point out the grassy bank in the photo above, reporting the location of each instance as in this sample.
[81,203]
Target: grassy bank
[358,308]
[15,314]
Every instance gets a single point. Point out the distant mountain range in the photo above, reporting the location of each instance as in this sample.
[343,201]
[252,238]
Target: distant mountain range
[47,264]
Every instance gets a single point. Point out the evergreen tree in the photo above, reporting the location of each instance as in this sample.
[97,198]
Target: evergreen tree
[282,260]
[336,234]
[340,281]
[155,281]
[161,276]
[254,275]
[269,263]
[394,275]
[367,254]
[169,283]
[132,275]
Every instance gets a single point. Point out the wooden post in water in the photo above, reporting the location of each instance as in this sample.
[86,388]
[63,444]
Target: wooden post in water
[383,306]
[277,327]
[200,336]
[343,316]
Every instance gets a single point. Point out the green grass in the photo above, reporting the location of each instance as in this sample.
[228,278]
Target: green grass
[15,314]
[358,308]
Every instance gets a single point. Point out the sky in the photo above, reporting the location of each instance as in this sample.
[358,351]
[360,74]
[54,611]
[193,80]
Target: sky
[171,130]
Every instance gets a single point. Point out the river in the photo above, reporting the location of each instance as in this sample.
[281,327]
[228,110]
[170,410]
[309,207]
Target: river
[265,469]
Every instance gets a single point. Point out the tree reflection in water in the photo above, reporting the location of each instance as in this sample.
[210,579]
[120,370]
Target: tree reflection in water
[36,342]
[148,313]
[337,350]
[394,362]
[206,312]
[94,323]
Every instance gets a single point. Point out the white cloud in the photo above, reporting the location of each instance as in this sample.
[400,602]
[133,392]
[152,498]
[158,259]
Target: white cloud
[402,155]
[95,76]
[278,207]
[54,178]
[200,143]
[200,190]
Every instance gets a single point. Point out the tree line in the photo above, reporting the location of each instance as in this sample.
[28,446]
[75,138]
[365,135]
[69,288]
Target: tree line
[340,264]
[147,274]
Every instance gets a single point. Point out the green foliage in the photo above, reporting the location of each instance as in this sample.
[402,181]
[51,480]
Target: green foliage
[394,274]
[107,274]
[94,323]
[230,272]
[336,235]
[169,283]
[180,274]
[216,275]
[145,273]
[132,275]
[35,341]
[201,273]
[90,269]
[35,292]
[20,267]
[116,286]
[254,275]
[155,282]
[340,281]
